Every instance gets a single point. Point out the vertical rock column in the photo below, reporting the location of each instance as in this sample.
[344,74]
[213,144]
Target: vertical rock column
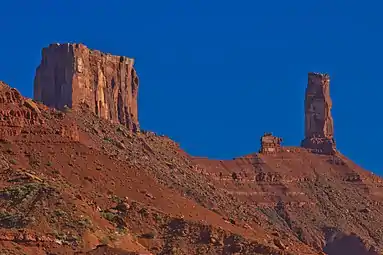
[319,126]
[72,74]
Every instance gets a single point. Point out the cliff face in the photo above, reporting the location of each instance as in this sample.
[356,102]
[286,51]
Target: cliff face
[319,126]
[72,74]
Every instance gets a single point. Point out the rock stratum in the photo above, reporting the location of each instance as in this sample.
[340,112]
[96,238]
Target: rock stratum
[74,183]
[72,74]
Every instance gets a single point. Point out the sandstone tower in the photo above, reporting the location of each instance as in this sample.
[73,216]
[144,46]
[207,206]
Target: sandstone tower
[72,74]
[319,126]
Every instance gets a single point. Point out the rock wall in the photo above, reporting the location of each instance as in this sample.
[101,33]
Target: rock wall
[319,126]
[72,74]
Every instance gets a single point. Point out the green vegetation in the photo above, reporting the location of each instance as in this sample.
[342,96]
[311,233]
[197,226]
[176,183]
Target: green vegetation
[105,240]
[85,222]
[108,139]
[144,212]
[59,213]
[149,235]
[108,215]
[20,192]
[116,199]
[67,238]
[10,220]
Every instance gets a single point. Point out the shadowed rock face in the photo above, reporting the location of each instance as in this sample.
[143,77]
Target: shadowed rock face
[319,126]
[341,244]
[72,74]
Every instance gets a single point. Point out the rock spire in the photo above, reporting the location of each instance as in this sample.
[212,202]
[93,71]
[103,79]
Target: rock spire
[319,125]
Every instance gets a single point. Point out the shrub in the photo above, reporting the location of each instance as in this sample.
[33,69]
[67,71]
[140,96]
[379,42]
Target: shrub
[149,235]
[108,215]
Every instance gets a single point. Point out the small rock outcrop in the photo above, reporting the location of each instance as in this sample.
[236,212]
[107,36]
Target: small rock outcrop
[72,74]
[270,144]
[20,115]
[319,126]
[16,112]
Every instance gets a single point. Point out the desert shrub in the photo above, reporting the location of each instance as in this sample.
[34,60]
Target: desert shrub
[108,215]
[85,222]
[149,235]
[9,220]
[20,192]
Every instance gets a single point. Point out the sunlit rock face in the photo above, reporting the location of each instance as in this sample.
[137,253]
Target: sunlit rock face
[319,125]
[72,74]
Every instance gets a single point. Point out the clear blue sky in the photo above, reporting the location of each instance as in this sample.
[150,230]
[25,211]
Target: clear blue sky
[215,75]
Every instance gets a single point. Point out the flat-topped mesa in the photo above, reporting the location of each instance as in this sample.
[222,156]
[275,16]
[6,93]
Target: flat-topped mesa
[270,144]
[72,74]
[319,126]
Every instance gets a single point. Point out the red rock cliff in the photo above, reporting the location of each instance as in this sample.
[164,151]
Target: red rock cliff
[319,126]
[72,74]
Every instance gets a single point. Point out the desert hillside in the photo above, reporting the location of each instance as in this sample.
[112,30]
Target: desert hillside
[79,176]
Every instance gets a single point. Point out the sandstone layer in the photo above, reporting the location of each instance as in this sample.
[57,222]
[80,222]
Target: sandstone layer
[319,125]
[72,74]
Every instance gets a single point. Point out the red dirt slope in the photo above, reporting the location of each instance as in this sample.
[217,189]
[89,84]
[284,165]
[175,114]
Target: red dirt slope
[70,182]
[307,194]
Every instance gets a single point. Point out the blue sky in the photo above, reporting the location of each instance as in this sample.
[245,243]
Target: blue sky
[215,75]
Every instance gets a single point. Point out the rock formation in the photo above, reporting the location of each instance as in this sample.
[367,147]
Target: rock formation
[270,144]
[20,115]
[72,74]
[16,112]
[319,126]
[69,169]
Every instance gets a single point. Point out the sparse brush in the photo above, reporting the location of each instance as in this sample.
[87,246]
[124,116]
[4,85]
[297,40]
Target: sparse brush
[85,222]
[149,235]
[59,213]
[108,215]
[105,240]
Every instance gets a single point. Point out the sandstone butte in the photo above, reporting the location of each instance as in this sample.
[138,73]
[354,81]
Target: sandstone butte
[76,176]
[71,74]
